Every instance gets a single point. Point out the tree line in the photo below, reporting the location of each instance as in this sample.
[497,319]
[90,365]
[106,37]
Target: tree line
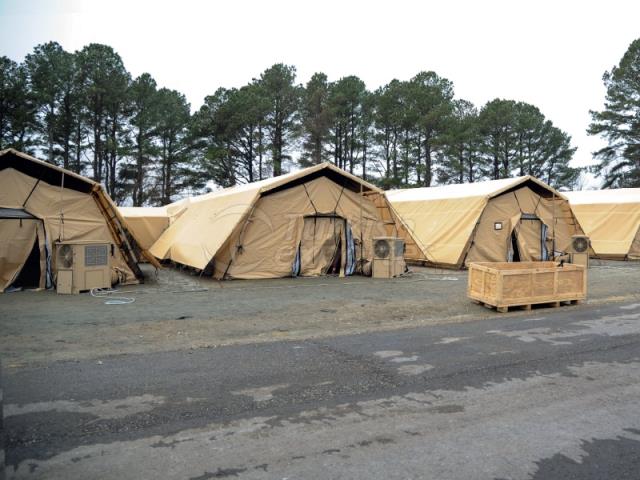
[619,123]
[84,111]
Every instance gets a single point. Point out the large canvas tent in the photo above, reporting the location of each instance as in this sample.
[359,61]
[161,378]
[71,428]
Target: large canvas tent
[148,223]
[311,222]
[41,204]
[611,219]
[515,219]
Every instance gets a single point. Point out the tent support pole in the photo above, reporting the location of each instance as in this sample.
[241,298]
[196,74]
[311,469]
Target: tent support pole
[118,234]
[30,193]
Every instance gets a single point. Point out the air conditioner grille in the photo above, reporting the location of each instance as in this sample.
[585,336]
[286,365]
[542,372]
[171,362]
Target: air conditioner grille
[382,248]
[95,255]
[65,256]
[580,244]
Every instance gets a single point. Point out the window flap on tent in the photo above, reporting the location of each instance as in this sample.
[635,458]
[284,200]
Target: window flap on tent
[17,237]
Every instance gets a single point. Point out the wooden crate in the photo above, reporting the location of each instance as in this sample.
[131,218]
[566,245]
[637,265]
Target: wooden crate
[503,285]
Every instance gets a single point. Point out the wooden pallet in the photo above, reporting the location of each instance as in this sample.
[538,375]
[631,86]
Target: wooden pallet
[527,306]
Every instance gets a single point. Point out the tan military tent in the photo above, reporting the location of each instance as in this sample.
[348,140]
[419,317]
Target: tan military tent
[148,223]
[315,221]
[611,218]
[41,204]
[497,220]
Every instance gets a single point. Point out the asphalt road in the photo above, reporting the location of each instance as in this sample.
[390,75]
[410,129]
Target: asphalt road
[551,395]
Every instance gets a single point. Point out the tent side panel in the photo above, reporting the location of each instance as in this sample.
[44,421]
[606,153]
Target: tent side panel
[490,242]
[395,228]
[612,228]
[197,235]
[147,229]
[441,227]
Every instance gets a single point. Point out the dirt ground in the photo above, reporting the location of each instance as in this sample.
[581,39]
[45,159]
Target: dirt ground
[174,310]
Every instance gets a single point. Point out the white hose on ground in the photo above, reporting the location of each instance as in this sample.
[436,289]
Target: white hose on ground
[105,292]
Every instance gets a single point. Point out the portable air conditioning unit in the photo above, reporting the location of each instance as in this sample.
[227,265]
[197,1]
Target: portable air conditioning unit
[82,266]
[388,257]
[579,250]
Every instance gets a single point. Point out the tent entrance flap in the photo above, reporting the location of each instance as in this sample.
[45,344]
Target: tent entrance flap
[17,237]
[324,246]
[29,275]
[530,239]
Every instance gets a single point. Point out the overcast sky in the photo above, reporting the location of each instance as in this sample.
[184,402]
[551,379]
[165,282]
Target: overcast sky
[549,53]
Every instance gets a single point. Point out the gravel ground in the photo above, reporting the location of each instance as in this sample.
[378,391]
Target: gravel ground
[174,310]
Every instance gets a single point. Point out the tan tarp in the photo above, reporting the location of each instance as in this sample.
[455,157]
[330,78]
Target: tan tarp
[64,213]
[254,230]
[611,219]
[395,228]
[199,233]
[442,227]
[454,225]
[270,237]
[491,245]
[17,237]
[148,223]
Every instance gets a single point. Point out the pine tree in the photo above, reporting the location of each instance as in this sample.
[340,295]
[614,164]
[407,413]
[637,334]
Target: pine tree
[619,122]
[278,87]
[315,118]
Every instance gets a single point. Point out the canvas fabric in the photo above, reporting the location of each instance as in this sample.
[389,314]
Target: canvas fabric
[81,218]
[254,231]
[634,251]
[321,242]
[442,227]
[147,223]
[455,225]
[17,237]
[265,243]
[613,228]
